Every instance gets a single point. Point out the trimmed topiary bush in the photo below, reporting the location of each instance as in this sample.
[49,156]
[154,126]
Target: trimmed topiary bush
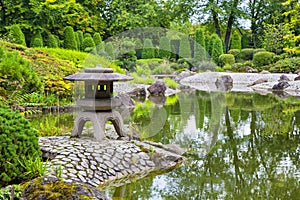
[236,42]
[286,65]
[247,54]
[52,41]
[234,52]
[16,35]
[19,141]
[148,50]
[37,42]
[217,49]
[263,58]
[211,42]
[185,47]
[175,48]
[69,38]
[79,40]
[258,50]
[109,49]
[97,39]
[88,44]
[226,59]
[199,37]
[164,48]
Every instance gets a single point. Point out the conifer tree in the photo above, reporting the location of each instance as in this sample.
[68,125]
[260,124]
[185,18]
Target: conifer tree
[211,41]
[79,39]
[109,50]
[88,44]
[199,46]
[185,47]
[164,48]
[148,50]
[69,38]
[217,49]
[16,35]
[37,40]
[236,42]
[52,41]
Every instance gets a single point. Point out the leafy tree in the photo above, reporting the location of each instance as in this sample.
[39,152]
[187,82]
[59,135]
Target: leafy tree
[185,47]
[164,48]
[217,49]
[16,35]
[69,38]
[236,42]
[148,50]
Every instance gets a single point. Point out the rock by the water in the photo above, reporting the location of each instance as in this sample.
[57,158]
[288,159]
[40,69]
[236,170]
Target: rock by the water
[283,78]
[224,83]
[183,75]
[281,86]
[51,187]
[259,81]
[251,70]
[297,78]
[125,100]
[265,72]
[137,92]
[158,88]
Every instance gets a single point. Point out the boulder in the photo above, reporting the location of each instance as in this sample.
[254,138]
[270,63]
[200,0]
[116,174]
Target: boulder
[251,70]
[224,83]
[283,78]
[259,81]
[281,86]
[297,78]
[183,75]
[265,72]
[158,88]
[125,100]
[51,187]
[137,92]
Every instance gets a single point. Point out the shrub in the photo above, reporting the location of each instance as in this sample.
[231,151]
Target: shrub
[185,47]
[263,58]
[19,141]
[235,52]
[199,46]
[258,50]
[79,40]
[16,35]
[126,57]
[88,44]
[109,49]
[175,49]
[206,65]
[97,39]
[235,42]
[52,41]
[247,54]
[37,42]
[148,50]
[217,49]
[286,65]
[211,41]
[171,83]
[164,48]
[226,59]
[69,38]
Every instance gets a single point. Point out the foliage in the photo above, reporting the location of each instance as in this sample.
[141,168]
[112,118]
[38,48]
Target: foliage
[286,65]
[226,59]
[247,54]
[18,140]
[206,65]
[263,58]
[235,52]
[97,38]
[236,42]
[80,40]
[164,48]
[211,42]
[148,50]
[16,35]
[199,45]
[109,49]
[142,80]
[217,49]
[185,47]
[126,55]
[11,192]
[52,41]
[36,42]
[33,165]
[69,38]
[175,48]
[171,83]
[88,44]
[199,37]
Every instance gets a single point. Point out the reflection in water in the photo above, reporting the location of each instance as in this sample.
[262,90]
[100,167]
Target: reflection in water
[239,145]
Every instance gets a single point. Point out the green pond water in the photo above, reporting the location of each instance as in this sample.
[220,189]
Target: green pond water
[239,146]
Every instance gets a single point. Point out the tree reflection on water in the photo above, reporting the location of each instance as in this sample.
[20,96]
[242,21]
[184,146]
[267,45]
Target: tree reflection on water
[239,146]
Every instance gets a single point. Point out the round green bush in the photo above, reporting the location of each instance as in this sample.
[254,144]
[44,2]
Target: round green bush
[263,58]
[69,38]
[148,50]
[16,35]
[18,142]
[286,65]
[247,54]
[258,50]
[234,52]
[226,59]
[88,44]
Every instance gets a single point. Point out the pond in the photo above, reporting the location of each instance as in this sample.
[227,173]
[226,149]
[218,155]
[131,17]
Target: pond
[239,146]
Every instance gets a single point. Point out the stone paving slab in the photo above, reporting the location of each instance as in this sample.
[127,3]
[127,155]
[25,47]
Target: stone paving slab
[109,162]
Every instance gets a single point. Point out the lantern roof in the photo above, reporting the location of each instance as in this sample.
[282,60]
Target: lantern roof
[98,74]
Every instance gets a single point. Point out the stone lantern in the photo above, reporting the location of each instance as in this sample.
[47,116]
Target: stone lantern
[99,101]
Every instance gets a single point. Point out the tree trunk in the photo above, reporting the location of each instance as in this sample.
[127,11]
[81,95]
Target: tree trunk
[229,24]
[216,20]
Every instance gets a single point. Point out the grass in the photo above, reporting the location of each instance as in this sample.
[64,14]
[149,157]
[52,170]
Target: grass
[171,83]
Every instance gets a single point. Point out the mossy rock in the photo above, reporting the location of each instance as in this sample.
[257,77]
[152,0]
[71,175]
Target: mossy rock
[53,188]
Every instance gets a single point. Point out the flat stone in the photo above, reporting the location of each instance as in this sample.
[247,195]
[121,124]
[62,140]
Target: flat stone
[81,178]
[99,160]
[82,173]
[79,167]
